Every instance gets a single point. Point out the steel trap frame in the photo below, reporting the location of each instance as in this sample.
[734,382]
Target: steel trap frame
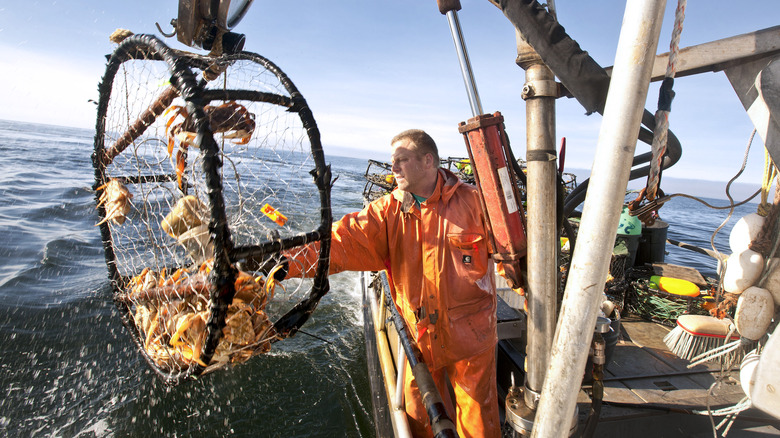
[156,134]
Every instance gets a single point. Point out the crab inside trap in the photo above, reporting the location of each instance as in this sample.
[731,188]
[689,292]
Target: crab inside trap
[171,311]
[200,185]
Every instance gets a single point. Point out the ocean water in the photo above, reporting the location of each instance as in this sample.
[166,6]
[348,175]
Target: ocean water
[69,368]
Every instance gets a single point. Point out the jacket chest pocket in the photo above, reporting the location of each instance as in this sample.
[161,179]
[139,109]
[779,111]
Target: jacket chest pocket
[468,254]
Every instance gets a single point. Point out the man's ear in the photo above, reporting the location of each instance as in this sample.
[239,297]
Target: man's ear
[429,159]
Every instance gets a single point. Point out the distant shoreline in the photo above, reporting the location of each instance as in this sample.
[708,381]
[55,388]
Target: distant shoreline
[701,188]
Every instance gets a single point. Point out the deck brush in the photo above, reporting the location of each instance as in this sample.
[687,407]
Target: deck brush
[695,335]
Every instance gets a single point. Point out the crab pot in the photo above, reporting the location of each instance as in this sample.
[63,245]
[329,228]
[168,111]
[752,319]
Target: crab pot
[188,149]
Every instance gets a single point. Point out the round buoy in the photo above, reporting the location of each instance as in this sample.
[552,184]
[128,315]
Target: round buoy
[629,225]
[772,283]
[745,231]
[746,371]
[753,315]
[742,271]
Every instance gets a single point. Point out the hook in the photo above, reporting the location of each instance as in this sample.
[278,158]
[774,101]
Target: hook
[645,211]
[173,23]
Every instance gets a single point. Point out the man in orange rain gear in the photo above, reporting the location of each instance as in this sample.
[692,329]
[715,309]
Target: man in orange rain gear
[430,235]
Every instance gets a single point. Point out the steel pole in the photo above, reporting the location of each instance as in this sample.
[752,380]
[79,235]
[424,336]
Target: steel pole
[540,91]
[465,64]
[609,176]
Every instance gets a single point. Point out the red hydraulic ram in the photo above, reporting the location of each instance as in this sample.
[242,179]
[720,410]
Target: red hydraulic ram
[488,151]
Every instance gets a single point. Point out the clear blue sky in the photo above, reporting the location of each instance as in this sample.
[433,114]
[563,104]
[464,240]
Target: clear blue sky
[370,69]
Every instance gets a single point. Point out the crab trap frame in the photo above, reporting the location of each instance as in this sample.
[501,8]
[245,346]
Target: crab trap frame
[207,171]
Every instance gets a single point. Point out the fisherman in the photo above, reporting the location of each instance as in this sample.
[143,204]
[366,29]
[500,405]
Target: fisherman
[430,235]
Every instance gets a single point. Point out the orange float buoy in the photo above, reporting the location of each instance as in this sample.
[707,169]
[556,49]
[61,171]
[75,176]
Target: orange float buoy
[274,215]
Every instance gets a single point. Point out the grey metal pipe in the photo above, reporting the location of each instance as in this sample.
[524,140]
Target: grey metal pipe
[465,64]
[590,262]
[400,366]
[540,92]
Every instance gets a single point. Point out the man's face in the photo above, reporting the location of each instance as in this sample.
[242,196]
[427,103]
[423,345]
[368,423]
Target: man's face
[409,167]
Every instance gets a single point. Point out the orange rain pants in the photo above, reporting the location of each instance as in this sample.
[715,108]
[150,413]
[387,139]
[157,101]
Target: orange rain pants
[470,378]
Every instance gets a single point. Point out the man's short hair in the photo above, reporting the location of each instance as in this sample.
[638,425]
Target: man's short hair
[421,141]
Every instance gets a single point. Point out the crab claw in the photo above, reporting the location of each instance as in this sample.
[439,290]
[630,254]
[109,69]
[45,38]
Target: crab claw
[271,282]
[242,136]
[181,163]
[180,111]
[171,144]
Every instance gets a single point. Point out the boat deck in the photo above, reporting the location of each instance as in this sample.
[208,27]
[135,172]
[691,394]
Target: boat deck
[648,391]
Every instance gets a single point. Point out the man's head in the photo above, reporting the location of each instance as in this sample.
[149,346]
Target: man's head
[415,159]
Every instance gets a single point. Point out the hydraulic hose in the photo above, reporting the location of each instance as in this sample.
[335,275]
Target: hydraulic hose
[597,398]
[441,424]
[673,154]
[598,348]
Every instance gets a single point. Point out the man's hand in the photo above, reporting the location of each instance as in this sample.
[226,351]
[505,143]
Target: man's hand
[276,266]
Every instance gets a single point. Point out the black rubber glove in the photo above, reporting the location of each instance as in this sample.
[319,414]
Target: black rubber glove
[277,265]
[267,266]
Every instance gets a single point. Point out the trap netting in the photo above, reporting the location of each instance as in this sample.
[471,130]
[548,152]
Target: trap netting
[207,170]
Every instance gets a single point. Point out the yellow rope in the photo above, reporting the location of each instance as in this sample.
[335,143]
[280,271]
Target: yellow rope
[770,173]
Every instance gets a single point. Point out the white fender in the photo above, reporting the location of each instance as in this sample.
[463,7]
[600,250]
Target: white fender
[747,372]
[772,283]
[755,309]
[745,231]
[764,393]
[742,271]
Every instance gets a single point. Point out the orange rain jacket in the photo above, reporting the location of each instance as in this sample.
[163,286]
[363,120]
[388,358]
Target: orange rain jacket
[437,255]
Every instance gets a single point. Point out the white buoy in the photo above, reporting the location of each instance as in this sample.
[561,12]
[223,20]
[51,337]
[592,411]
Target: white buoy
[747,370]
[772,282]
[198,243]
[745,231]
[742,271]
[764,394]
[753,315]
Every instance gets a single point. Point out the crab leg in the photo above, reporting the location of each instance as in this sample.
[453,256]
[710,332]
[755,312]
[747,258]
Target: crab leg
[139,126]
[187,323]
[180,111]
[194,285]
[271,282]
[109,215]
[181,164]
[152,328]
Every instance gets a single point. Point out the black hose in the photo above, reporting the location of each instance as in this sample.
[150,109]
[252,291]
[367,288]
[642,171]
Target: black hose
[673,154]
[693,248]
[441,424]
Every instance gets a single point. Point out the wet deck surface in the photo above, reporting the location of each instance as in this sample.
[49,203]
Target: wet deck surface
[648,391]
